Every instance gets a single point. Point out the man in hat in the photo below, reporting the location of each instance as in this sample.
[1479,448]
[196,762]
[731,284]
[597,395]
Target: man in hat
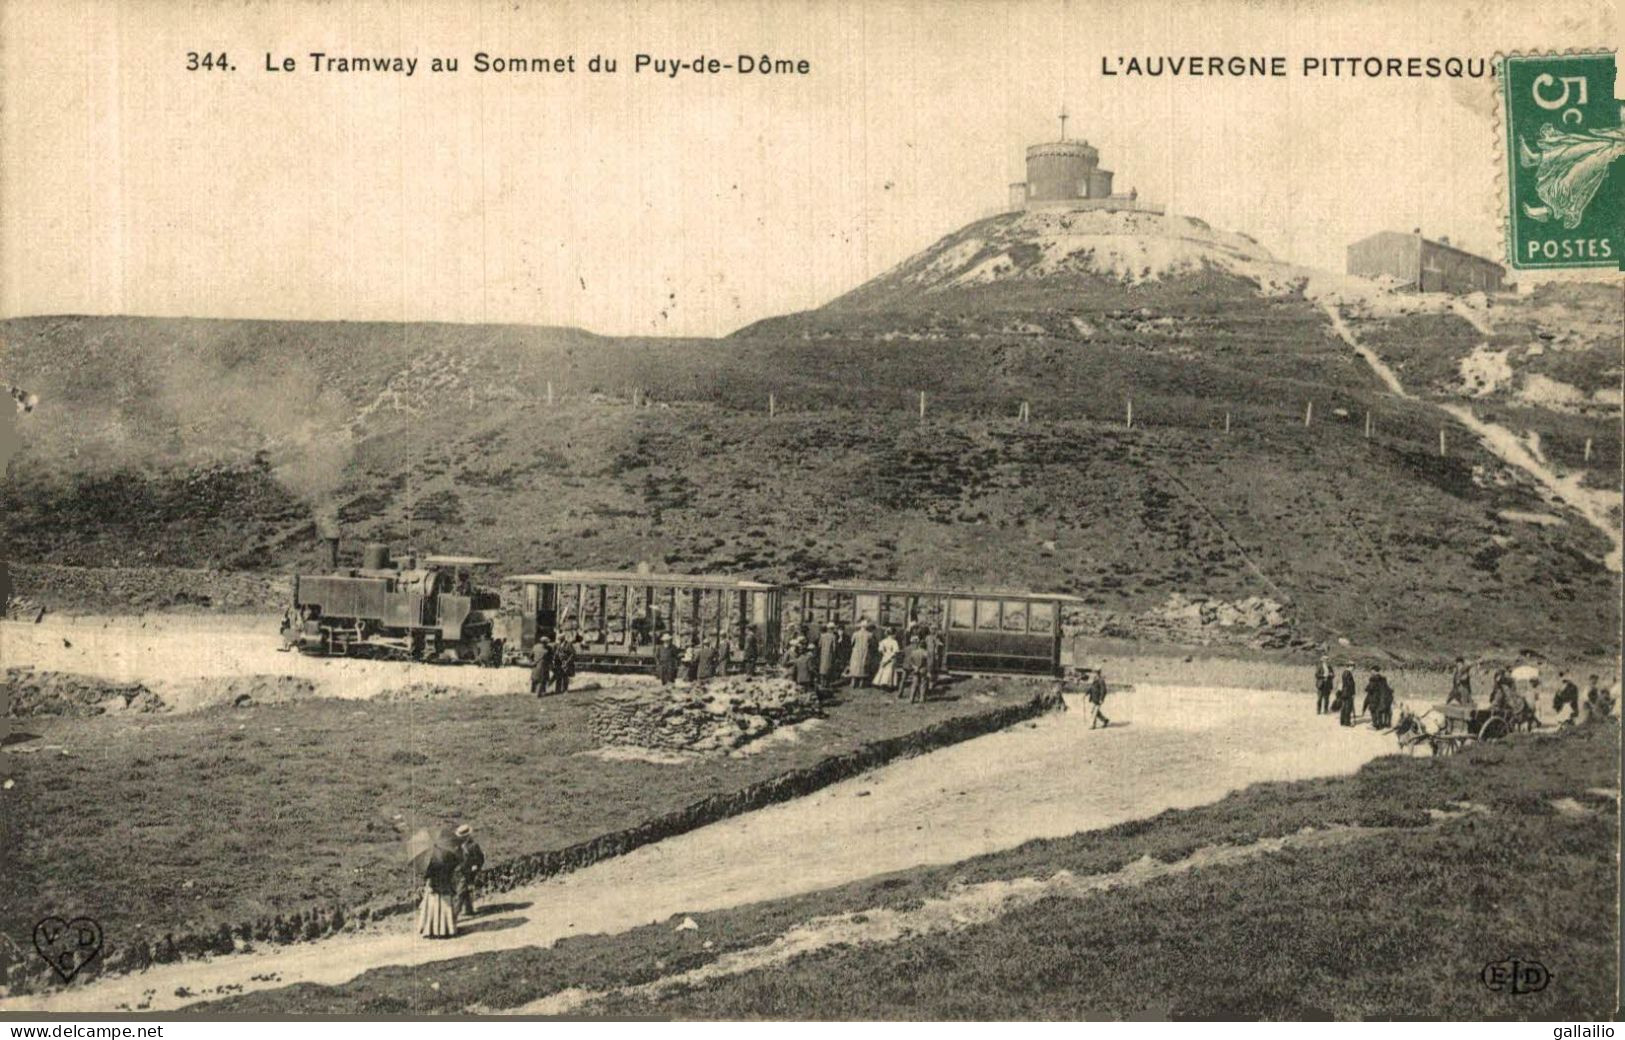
[917,663]
[1096,692]
[471,859]
[933,654]
[1378,696]
[1568,695]
[803,669]
[751,653]
[564,664]
[666,660]
[1461,683]
[857,662]
[1345,696]
[705,660]
[541,673]
[1325,678]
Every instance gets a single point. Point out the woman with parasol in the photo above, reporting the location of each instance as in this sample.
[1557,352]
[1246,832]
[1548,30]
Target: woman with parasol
[436,853]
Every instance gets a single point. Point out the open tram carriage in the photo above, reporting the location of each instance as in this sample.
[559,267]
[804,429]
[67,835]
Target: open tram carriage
[619,616]
[983,630]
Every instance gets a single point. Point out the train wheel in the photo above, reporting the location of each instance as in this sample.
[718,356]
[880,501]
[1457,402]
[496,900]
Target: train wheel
[1493,729]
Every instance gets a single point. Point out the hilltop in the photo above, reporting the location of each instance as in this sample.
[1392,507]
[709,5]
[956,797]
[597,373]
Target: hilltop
[176,442]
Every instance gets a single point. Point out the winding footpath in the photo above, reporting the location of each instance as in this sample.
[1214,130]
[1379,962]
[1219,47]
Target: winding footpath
[1599,507]
[1168,747]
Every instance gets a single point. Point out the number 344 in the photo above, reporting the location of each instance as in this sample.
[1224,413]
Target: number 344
[196,61]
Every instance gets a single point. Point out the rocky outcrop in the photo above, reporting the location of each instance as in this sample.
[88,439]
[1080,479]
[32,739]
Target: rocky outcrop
[713,717]
[30,693]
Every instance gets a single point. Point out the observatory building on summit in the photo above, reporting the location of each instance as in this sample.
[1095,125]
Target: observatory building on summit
[1067,175]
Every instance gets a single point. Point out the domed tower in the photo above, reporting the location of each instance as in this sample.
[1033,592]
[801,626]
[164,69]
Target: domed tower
[1061,172]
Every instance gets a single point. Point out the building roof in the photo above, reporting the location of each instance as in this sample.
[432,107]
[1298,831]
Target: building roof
[1432,242]
[709,581]
[908,588]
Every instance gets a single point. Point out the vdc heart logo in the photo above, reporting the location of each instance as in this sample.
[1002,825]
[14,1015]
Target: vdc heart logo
[68,946]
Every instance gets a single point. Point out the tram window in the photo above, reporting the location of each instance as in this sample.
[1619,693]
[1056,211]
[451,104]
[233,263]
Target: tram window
[960,613]
[894,611]
[868,604]
[615,612]
[987,615]
[1041,618]
[1015,616]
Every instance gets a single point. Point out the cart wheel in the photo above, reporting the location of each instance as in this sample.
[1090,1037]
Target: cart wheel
[1493,729]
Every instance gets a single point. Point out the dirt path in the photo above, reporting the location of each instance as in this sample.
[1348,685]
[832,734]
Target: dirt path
[1169,747]
[184,658]
[1597,506]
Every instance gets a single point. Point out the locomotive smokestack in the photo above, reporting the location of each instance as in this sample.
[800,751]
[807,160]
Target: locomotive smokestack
[332,541]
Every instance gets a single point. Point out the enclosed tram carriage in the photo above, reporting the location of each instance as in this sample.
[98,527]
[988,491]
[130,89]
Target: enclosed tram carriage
[983,630]
[621,615]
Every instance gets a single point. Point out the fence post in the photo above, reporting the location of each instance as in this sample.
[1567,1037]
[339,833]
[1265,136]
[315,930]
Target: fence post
[1441,442]
[922,404]
[550,393]
[1309,413]
[772,405]
[1368,424]
[1128,421]
[1226,422]
[1588,449]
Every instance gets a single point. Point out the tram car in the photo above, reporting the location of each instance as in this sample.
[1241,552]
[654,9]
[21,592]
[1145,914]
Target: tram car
[619,616]
[983,630]
[426,607]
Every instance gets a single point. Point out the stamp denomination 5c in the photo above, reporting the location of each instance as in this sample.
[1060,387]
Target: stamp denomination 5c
[1563,137]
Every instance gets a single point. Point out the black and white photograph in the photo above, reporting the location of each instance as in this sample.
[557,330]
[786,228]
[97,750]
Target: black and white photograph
[811,510]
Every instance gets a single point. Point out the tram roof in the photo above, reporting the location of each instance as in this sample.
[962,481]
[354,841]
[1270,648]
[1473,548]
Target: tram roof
[906,588]
[707,581]
[459,561]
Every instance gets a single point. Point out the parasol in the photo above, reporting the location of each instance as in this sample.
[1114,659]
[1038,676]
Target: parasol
[1526,671]
[432,847]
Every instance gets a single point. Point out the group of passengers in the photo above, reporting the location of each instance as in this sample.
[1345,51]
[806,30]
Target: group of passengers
[1505,700]
[905,661]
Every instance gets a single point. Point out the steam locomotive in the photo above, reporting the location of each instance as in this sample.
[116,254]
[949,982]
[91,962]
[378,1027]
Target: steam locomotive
[428,608]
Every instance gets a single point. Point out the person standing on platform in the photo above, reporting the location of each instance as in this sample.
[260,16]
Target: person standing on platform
[564,665]
[666,660]
[541,673]
[829,642]
[857,659]
[918,663]
[890,651]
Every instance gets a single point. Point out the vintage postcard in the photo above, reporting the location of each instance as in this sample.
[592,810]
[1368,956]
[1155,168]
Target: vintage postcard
[791,510]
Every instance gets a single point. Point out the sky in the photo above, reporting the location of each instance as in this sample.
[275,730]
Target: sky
[636,203]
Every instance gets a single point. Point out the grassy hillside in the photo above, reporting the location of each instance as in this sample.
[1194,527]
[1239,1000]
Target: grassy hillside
[1378,895]
[224,443]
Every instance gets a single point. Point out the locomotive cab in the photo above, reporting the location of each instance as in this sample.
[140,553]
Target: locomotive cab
[423,607]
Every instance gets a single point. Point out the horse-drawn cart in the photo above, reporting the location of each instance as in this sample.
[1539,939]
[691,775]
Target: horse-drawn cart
[1461,725]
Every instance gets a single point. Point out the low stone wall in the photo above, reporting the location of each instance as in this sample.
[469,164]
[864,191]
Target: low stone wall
[28,974]
[712,717]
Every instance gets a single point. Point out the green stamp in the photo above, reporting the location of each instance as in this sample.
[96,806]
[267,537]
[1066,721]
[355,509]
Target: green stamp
[1565,191]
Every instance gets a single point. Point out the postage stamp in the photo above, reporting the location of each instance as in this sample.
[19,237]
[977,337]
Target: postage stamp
[1563,137]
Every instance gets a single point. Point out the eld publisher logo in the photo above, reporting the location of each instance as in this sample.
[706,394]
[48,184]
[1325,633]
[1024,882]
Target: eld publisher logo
[1515,976]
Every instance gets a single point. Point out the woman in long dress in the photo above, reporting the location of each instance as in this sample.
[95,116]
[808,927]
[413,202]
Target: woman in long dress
[890,650]
[437,915]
